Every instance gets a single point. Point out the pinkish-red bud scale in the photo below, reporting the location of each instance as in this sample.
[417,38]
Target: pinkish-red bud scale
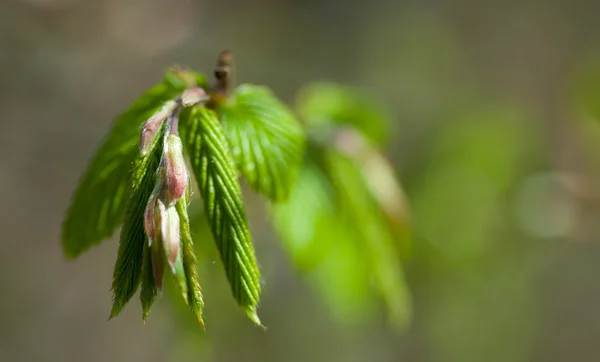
[193,96]
[151,126]
[149,217]
[176,170]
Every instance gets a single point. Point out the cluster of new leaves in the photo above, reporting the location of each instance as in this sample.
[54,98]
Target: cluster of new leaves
[338,206]
[139,179]
[352,238]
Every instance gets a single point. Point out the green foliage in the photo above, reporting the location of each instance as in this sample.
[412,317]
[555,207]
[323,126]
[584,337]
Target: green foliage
[215,171]
[301,231]
[361,210]
[345,241]
[339,223]
[98,206]
[149,290]
[322,246]
[192,290]
[349,241]
[266,140]
[128,268]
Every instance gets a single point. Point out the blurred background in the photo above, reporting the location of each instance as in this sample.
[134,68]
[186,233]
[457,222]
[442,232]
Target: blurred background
[499,162]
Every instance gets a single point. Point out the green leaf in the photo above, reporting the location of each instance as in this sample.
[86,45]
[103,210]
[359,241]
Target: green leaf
[215,171]
[305,234]
[128,268]
[192,291]
[266,140]
[323,247]
[381,181]
[325,105]
[98,205]
[149,290]
[363,213]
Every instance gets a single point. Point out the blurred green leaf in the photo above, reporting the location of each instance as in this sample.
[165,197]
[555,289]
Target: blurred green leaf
[266,140]
[321,245]
[302,231]
[344,243]
[128,268]
[98,205]
[359,207]
[322,105]
[358,219]
[214,169]
[380,180]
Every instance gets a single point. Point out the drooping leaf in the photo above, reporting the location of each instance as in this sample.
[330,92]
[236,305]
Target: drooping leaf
[301,220]
[149,290]
[192,290]
[128,268]
[381,181]
[323,105]
[215,171]
[322,246]
[266,140]
[359,206]
[98,205]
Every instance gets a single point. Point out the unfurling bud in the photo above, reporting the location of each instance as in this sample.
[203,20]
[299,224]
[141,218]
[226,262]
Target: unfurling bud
[151,126]
[170,232]
[149,223]
[161,220]
[193,96]
[155,213]
[162,223]
[177,176]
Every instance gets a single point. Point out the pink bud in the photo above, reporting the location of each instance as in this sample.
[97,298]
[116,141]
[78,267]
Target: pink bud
[149,218]
[170,230]
[176,170]
[151,126]
[193,96]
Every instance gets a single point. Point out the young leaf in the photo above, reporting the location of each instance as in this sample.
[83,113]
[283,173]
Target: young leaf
[215,172]
[149,290]
[266,140]
[128,268]
[380,180]
[324,246]
[192,290]
[98,205]
[368,220]
[303,233]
